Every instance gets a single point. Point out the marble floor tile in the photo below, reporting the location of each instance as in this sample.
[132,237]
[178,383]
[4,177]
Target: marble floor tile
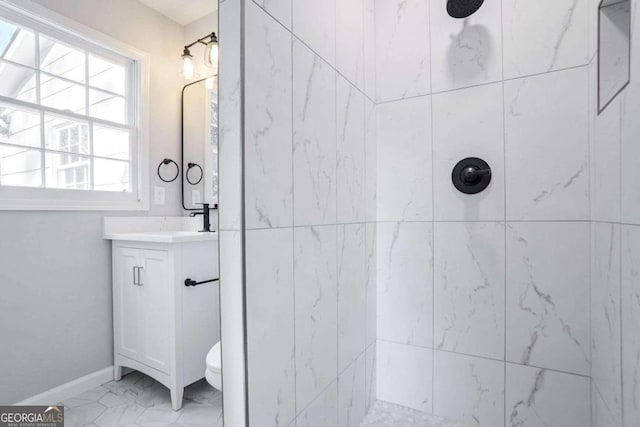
[84,414]
[156,395]
[139,401]
[111,400]
[120,415]
[203,415]
[157,417]
[89,397]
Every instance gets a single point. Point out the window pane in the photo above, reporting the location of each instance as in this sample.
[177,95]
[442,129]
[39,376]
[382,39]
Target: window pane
[20,167]
[62,60]
[63,95]
[106,106]
[17,44]
[110,142]
[67,171]
[19,127]
[66,135]
[17,82]
[111,175]
[106,75]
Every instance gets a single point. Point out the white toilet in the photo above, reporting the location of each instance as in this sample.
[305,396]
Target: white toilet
[213,374]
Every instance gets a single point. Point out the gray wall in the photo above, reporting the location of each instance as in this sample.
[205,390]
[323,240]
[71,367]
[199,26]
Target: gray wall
[55,311]
[55,269]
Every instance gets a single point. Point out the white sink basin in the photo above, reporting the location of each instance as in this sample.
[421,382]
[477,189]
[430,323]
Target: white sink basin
[163,236]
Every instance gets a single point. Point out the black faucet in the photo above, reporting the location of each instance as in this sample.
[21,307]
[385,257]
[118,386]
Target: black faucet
[206,224]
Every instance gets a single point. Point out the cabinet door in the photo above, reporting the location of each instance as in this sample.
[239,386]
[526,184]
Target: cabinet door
[128,338]
[154,307]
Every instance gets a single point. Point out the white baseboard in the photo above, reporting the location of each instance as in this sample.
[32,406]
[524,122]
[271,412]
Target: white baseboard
[71,389]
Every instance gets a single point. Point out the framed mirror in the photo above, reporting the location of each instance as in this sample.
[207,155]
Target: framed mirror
[614,50]
[200,143]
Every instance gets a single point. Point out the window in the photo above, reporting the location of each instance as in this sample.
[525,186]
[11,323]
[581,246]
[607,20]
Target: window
[68,170]
[70,116]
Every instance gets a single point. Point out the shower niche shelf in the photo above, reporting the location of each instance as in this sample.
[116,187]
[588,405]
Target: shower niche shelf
[614,50]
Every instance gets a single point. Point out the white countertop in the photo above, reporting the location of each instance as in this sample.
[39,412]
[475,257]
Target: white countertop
[163,236]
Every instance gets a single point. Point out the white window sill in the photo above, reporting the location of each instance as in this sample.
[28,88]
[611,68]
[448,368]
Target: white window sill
[30,199]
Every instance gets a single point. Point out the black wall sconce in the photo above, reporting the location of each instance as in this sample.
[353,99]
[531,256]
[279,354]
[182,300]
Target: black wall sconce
[210,41]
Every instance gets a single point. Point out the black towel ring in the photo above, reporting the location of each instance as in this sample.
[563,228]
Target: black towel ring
[189,167]
[167,162]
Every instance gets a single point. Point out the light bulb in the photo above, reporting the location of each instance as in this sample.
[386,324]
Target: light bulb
[212,57]
[211,52]
[188,68]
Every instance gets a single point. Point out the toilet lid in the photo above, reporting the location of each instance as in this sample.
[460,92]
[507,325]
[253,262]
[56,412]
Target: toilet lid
[214,359]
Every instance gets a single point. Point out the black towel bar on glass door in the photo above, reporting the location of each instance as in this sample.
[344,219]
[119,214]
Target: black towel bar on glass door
[189,282]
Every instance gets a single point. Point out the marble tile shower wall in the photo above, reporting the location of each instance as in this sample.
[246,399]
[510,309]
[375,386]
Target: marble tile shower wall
[369,276]
[483,301]
[615,248]
[310,239]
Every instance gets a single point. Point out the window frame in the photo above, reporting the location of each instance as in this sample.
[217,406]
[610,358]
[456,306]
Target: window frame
[67,31]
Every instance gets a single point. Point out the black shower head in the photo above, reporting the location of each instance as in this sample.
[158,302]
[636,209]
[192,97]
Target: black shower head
[463,8]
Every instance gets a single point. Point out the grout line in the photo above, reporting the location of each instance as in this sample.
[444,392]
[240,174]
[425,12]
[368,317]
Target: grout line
[482,357]
[365,214]
[353,362]
[433,228]
[319,395]
[621,272]
[337,319]
[626,224]
[550,221]
[339,260]
[575,67]
[621,309]
[504,190]
[293,214]
[590,313]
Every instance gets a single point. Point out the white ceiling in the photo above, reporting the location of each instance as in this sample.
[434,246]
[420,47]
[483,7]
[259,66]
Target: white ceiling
[183,11]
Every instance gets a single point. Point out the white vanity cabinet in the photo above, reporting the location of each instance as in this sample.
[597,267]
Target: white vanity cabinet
[142,308]
[162,327]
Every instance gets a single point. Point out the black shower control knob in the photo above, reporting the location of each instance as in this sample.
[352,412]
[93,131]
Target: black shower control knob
[471,175]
